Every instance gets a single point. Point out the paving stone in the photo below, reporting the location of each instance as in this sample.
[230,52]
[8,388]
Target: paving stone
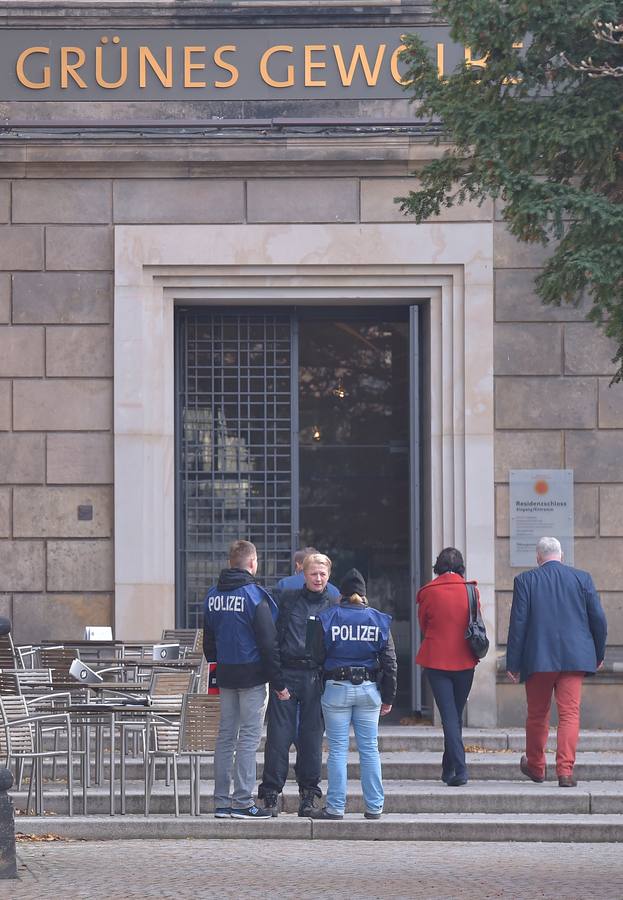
[21,350]
[509,253]
[61,200]
[595,455]
[418,870]
[548,403]
[61,298]
[78,247]
[527,349]
[610,404]
[5,513]
[22,565]
[611,510]
[302,200]
[85,350]
[22,458]
[80,566]
[38,617]
[54,512]
[5,298]
[5,406]
[516,300]
[80,458]
[21,247]
[189,201]
[62,405]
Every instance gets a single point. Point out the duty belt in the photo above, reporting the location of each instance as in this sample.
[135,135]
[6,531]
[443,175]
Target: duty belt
[354,674]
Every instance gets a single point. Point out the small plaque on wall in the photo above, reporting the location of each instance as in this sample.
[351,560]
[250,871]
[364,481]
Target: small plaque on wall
[540,505]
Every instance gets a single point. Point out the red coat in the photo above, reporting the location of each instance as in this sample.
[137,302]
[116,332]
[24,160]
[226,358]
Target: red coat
[443,614]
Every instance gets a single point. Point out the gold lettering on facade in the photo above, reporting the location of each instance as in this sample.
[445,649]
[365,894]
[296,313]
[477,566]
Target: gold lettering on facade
[480,63]
[393,65]
[21,75]
[164,76]
[68,69]
[440,60]
[280,48]
[223,64]
[123,69]
[359,56]
[311,64]
[190,67]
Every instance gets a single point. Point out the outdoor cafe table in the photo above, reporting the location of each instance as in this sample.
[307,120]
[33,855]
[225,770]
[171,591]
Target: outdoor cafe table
[111,716]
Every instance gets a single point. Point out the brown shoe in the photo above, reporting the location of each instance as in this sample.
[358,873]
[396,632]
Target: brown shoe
[525,768]
[567,781]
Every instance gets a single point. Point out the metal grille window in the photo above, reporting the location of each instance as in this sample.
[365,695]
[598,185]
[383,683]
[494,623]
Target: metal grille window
[234,386]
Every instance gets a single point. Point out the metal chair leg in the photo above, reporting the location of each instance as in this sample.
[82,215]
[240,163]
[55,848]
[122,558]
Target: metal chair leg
[197,785]
[175,786]
[70,778]
[30,785]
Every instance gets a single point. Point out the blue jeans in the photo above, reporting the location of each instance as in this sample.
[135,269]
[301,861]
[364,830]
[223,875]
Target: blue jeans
[451,690]
[343,703]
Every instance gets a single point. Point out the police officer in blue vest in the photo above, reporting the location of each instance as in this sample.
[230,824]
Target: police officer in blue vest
[239,632]
[353,643]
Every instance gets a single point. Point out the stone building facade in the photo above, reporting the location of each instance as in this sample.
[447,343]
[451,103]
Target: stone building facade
[107,224]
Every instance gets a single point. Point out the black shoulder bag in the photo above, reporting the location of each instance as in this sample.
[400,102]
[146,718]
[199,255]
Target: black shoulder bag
[476,634]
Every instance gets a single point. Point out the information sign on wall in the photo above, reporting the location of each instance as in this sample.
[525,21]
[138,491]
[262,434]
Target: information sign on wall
[541,505]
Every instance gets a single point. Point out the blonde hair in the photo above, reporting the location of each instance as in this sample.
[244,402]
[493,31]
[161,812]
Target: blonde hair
[317,559]
[357,599]
[241,554]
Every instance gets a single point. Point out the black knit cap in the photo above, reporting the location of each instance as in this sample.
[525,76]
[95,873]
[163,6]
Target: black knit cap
[353,583]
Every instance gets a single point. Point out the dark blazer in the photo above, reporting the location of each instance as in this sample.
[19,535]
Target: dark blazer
[557,623]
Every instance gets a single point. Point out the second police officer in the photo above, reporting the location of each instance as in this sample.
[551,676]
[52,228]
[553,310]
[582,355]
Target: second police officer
[354,645]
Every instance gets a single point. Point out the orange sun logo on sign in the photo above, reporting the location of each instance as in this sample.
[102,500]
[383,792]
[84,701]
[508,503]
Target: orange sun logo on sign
[541,487]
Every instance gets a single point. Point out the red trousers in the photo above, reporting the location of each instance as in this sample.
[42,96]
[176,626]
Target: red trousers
[567,688]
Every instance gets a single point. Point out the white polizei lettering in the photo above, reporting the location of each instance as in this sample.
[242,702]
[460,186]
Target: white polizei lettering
[222,603]
[355,632]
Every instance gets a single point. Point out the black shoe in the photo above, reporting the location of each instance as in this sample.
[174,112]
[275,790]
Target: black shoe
[446,776]
[324,814]
[567,781]
[271,802]
[252,812]
[456,781]
[372,815]
[307,804]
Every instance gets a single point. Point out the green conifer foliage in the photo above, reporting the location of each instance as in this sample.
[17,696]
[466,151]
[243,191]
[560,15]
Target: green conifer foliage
[540,128]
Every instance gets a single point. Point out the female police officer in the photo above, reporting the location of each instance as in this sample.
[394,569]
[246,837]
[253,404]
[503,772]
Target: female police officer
[354,645]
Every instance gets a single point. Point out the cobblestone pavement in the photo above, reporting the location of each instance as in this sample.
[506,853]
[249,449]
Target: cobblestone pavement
[329,869]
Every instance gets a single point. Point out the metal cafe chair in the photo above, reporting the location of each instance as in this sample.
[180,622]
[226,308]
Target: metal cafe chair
[21,738]
[194,736]
[185,637]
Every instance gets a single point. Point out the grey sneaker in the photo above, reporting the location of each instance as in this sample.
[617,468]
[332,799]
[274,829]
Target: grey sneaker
[252,812]
[372,815]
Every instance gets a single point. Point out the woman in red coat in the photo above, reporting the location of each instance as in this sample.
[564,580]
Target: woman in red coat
[443,613]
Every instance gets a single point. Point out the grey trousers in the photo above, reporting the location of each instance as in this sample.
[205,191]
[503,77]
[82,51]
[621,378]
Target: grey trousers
[240,730]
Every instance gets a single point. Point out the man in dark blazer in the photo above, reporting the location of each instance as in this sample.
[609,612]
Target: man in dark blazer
[557,635]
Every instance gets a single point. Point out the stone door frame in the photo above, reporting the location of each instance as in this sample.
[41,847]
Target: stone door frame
[156,266]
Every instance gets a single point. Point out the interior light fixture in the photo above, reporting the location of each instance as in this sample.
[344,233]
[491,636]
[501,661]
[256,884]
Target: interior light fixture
[316,433]
[340,391]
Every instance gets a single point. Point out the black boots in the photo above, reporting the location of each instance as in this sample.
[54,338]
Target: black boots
[307,803]
[271,803]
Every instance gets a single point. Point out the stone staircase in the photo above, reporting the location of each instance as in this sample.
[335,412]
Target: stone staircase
[497,804]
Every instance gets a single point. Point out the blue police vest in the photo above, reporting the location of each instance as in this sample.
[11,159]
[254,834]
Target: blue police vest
[230,616]
[353,635]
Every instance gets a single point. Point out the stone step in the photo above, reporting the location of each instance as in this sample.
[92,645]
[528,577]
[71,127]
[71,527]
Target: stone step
[393,827]
[422,738]
[501,765]
[407,797]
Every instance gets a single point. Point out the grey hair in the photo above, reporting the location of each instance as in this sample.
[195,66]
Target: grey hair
[548,546]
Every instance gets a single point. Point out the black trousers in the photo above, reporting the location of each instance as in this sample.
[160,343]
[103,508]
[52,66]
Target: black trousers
[451,690]
[296,721]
